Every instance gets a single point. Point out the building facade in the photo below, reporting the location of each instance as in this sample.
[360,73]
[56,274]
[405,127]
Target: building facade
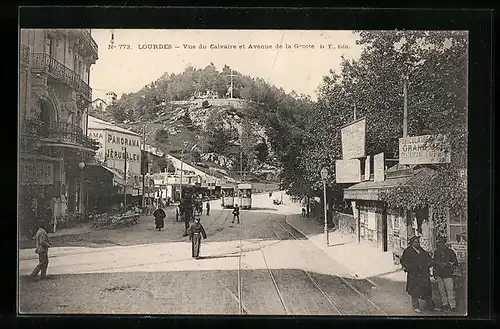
[114,142]
[54,98]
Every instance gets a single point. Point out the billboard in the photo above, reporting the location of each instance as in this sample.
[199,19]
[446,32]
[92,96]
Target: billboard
[424,149]
[379,167]
[353,140]
[348,171]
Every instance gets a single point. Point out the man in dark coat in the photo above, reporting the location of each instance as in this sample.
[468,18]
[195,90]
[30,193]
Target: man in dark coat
[416,263]
[196,232]
[236,214]
[159,216]
[208,208]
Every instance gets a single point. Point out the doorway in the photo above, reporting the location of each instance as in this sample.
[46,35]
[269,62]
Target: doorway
[384,228]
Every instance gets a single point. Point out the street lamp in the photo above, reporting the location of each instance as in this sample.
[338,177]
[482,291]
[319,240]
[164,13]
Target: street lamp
[324,176]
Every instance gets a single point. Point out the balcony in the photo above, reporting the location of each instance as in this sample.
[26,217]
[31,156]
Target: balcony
[44,63]
[66,133]
[25,55]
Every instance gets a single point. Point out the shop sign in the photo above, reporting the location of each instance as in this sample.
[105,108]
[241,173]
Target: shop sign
[37,172]
[353,140]
[461,251]
[379,167]
[424,149]
[367,168]
[348,171]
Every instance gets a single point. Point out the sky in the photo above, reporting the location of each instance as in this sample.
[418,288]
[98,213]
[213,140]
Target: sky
[127,67]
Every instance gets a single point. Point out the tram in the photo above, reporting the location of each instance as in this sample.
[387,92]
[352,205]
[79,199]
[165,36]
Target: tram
[245,195]
[227,199]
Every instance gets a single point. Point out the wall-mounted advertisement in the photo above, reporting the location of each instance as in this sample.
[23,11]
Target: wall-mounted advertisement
[353,140]
[424,149]
[379,167]
[348,171]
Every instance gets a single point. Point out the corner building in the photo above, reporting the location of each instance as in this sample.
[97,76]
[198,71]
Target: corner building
[54,98]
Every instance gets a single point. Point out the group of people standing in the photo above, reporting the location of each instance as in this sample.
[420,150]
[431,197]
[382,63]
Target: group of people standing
[420,266]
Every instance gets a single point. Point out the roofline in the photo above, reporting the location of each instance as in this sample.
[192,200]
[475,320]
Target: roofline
[116,130]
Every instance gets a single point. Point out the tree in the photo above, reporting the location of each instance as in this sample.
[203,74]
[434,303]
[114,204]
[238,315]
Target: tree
[435,64]
[162,136]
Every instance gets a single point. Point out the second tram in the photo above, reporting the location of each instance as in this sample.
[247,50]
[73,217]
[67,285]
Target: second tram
[245,196]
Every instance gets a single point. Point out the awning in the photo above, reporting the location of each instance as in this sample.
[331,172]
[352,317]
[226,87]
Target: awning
[370,190]
[38,157]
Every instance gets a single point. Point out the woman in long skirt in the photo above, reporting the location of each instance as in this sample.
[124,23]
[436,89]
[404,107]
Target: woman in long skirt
[159,216]
[196,232]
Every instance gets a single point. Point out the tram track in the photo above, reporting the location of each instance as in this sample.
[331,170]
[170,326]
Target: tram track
[354,289]
[271,275]
[306,272]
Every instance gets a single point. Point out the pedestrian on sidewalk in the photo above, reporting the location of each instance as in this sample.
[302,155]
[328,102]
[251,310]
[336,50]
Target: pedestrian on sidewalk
[444,263]
[196,232]
[416,263]
[236,213]
[42,249]
[159,216]
[177,212]
[208,208]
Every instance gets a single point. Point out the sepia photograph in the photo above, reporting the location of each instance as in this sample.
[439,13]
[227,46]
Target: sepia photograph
[243,172]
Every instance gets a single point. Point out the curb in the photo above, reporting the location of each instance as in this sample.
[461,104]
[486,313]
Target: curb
[322,248]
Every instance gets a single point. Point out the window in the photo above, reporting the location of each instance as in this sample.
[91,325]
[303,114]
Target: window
[49,46]
[457,227]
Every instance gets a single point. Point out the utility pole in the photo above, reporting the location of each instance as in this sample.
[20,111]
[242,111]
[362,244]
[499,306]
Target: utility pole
[405,110]
[182,162]
[354,111]
[125,179]
[231,76]
[241,167]
[144,169]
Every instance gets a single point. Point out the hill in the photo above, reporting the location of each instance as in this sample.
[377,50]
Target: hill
[192,111]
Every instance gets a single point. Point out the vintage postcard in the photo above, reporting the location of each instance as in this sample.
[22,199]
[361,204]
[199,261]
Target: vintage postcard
[243,172]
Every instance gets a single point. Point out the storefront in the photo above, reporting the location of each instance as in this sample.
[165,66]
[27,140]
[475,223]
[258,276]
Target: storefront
[39,189]
[389,229]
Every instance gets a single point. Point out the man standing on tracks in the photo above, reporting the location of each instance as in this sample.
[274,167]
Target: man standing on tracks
[188,212]
[236,213]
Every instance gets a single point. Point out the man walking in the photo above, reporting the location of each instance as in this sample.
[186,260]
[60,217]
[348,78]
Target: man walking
[444,262]
[208,208]
[236,214]
[416,263]
[42,249]
[188,212]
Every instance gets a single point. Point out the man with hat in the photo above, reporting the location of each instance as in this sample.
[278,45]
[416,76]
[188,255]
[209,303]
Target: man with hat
[444,262]
[42,249]
[416,263]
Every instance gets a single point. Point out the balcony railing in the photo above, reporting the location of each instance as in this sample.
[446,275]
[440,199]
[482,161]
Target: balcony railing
[25,54]
[67,133]
[58,70]
[33,129]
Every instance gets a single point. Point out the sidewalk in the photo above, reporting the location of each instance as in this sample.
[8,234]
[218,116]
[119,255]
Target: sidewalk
[361,259]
